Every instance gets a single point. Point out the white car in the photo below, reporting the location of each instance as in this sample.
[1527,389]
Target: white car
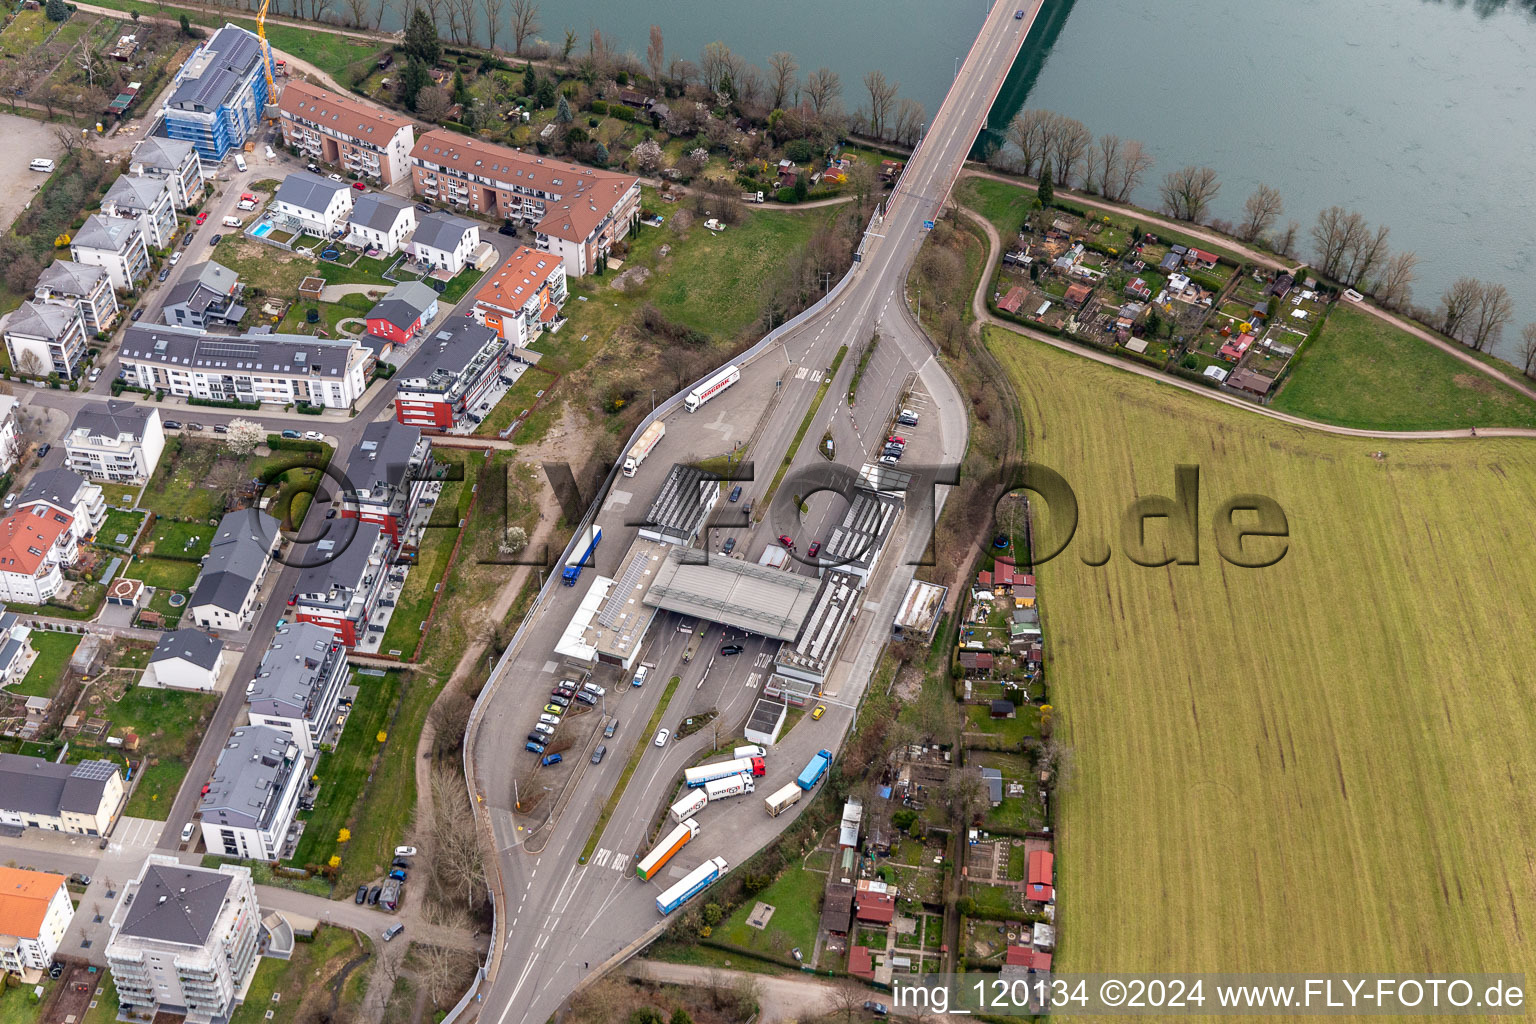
[661,737]
[405,851]
[187,830]
[313,435]
[594,689]
[547,730]
[549,720]
[95,375]
[175,257]
[335,177]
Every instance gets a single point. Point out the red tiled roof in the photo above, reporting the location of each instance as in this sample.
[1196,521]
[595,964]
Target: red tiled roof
[859,962]
[1024,956]
[347,117]
[518,279]
[24,900]
[876,907]
[1013,300]
[984,579]
[26,538]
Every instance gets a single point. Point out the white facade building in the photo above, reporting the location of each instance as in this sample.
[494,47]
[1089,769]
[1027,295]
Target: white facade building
[185,659]
[177,159]
[248,810]
[253,367]
[382,221]
[63,490]
[308,202]
[77,286]
[43,338]
[148,199]
[10,447]
[444,241]
[299,683]
[35,911]
[121,442]
[36,544]
[116,245]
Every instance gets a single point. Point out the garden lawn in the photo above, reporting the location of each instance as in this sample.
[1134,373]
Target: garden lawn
[53,653]
[169,724]
[1026,722]
[1353,720]
[164,573]
[415,601]
[180,488]
[796,898]
[119,522]
[1360,371]
[25,33]
[303,984]
[168,538]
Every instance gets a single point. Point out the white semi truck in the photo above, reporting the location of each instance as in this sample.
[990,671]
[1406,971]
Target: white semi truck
[711,386]
[648,440]
[733,785]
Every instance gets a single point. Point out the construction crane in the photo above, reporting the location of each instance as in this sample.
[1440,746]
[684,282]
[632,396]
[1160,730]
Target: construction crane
[266,63]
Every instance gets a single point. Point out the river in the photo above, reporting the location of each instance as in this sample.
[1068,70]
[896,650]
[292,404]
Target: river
[1421,115]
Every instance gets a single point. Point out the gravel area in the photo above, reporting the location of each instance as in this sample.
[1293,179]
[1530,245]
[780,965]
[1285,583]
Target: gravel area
[25,140]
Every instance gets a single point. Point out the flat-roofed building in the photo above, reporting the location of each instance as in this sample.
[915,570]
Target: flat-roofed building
[764,601]
[299,683]
[248,810]
[682,505]
[811,654]
[610,624]
[443,384]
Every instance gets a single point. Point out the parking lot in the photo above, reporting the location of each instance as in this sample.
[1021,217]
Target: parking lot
[29,140]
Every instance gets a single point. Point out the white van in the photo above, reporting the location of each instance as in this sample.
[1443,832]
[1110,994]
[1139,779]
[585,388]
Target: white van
[271,155]
[43,164]
[240,162]
[231,222]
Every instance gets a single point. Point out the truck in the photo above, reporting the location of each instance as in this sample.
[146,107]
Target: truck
[781,800]
[693,883]
[696,777]
[587,548]
[750,750]
[751,197]
[648,440]
[813,771]
[663,851]
[692,802]
[711,386]
[731,785]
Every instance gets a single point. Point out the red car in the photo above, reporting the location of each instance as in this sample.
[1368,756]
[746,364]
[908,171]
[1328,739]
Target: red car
[786,540]
[202,217]
[813,549]
[893,439]
[360,186]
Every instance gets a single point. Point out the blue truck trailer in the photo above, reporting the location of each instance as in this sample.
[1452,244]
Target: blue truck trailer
[583,557]
[813,771]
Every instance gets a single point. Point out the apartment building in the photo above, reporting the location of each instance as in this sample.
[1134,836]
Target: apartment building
[257,366]
[523,296]
[62,490]
[345,574]
[248,810]
[10,445]
[577,212]
[390,471]
[118,441]
[86,289]
[444,241]
[44,337]
[227,589]
[35,911]
[298,686]
[208,295]
[332,129]
[146,198]
[381,221]
[115,244]
[36,545]
[218,96]
[81,798]
[444,382]
[178,161]
[310,203]
[184,941]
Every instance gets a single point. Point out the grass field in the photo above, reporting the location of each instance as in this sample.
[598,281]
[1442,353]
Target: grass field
[304,985]
[1361,371]
[53,653]
[1324,764]
[119,524]
[796,900]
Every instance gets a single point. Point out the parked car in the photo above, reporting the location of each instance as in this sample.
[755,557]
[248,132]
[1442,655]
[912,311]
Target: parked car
[821,709]
[735,492]
[661,737]
[562,691]
[730,649]
[564,702]
[539,738]
[374,894]
[611,728]
[313,435]
[362,895]
[95,374]
[202,218]
[506,229]
[397,927]
[593,688]
[335,177]
[216,239]
[400,862]
[544,729]
[134,316]
[360,186]
[597,755]
[553,709]
[292,435]
[194,426]
[172,424]
[423,207]
[186,240]
[887,460]
[219,428]
[550,759]
[405,851]
[893,439]
[880,1009]
[186,832]
[550,719]
[537,748]
[43,450]
[797,954]
[587,698]
[165,272]
[175,258]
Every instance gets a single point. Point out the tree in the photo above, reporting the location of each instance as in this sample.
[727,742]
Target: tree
[656,56]
[1336,234]
[433,102]
[546,96]
[881,94]
[412,81]
[647,156]
[344,835]
[1046,190]
[1135,162]
[600,155]
[1286,242]
[963,795]
[1072,141]
[680,1015]
[514,540]
[1494,310]
[563,111]
[1395,289]
[1458,303]
[58,10]
[530,81]
[30,363]
[1365,251]
[494,11]
[910,119]
[186,26]
[847,1001]
[525,22]
[567,46]
[359,11]
[1528,348]
[1028,132]
[461,90]
[822,88]
[244,436]
[421,41]
[439,969]
[782,80]
[1260,212]
[1187,193]
[67,136]
[88,63]
[450,720]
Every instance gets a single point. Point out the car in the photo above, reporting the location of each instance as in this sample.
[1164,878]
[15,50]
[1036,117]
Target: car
[564,702]
[202,218]
[362,895]
[640,674]
[796,953]
[548,719]
[313,435]
[360,186]
[405,851]
[186,240]
[593,688]
[814,549]
[219,428]
[374,894]
[43,449]
[1017,16]
[134,316]
[597,755]
[423,207]
[880,1009]
[730,545]
[553,709]
[175,258]
[586,698]
[821,709]
[400,862]
[335,177]
[611,728]
[397,927]
[216,239]
[537,748]
[907,418]
[888,460]
[165,272]
[194,426]
[550,759]
[506,229]
[562,691]
[95,374]
[544,728]
[538,738]
[292,435]
[186,832]
[172,424]
[735,492]
[786,540]
[661,737]
[10,500]
[731,649]
[894,439]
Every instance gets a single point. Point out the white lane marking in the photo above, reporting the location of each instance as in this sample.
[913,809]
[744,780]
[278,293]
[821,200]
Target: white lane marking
[601,857]
[620,861]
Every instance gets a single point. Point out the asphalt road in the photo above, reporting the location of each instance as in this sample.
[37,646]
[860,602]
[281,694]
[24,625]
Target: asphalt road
[561,919]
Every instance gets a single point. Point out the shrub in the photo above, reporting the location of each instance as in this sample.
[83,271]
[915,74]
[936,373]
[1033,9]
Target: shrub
[785,195]
[622,112]
[800,150]
[599,106]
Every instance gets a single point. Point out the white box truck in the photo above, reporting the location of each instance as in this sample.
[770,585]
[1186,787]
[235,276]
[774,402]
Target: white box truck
[692,802]
[648,440]
[731,785]
[782,799]
[710,387]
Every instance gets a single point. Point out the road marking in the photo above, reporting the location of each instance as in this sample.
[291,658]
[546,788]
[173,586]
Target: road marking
[601,857]
[620,861]
[752,680]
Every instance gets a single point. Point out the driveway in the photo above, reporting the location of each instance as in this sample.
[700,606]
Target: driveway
[18,184]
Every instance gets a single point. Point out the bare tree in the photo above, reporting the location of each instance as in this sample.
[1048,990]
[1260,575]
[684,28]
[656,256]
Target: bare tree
[1285,243]
[822,88]
[1072,141]
[387,972]
[465,9]
[1028,131]
[962,793]
[88,63]
[494,11]
[881,95]
[1365,251]
[457,859]
[656,56]
[1260,212]
[30,363]
[910,119]
[67,136]
[1135,162]
[1528,348]
[440,970]
[450,718]
[1458,303]
[1395,289]
[433,102]
[1334,233]
[1109,158]
[782,80]
[847,1001]
[1494,310]
[568,46]
[1187,192]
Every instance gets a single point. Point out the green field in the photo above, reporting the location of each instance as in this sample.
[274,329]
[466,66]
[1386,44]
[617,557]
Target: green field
[165,573]
[304,985]
[1361,371]
[119,523]
[53,653]
[796,900]
[1324,764]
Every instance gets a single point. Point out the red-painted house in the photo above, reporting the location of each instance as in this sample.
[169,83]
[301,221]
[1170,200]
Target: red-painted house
[443,384]
[403,312]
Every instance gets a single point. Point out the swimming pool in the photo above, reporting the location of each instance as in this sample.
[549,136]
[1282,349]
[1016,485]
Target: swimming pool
[262,230]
